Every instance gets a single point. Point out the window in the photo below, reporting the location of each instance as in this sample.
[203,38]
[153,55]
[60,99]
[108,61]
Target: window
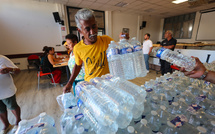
[182,26]
[99,15]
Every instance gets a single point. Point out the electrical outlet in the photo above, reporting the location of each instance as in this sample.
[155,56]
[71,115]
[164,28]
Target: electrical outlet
[17,63]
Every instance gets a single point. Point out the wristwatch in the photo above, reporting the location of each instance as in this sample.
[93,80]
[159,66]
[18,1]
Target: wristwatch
[204,75]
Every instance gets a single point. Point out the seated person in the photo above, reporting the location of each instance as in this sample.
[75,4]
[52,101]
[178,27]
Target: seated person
[48,62]
[72,40]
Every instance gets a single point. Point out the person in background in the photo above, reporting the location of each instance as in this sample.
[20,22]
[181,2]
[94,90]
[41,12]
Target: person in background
[7,94]
[124,36]
[147,49]
[72,40]
[48,62]
[65,44]
[200,72]
[91,50]
[168,43]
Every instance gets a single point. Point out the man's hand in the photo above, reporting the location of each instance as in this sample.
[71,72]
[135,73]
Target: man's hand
[197,72]
[67,88]
[5,70]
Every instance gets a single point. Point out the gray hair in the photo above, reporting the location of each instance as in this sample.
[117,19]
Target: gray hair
[170,32]
[83,14]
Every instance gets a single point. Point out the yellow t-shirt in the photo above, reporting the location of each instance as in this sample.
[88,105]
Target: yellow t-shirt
[93,56]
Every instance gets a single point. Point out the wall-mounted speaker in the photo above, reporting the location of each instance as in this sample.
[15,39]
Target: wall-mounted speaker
[56,17]
[144,24]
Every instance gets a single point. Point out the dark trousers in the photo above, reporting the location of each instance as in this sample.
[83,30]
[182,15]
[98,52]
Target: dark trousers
[165,67]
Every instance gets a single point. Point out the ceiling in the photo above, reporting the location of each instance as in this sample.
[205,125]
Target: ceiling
[159,8]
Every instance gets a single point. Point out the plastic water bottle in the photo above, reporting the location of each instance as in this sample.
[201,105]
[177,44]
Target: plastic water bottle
[211,94]
[170,129]
[163,115]
[142,127]
[22,127]
[46,119]
[163,100]
[127,59]
[211,110]
[154,103]
[103,109]
[189,97]
[182,106]
[114,60]
[147,108]
[139,62]
[173,109]
[178,59]
[137,92]
[47,129]
[123,100]
[68,100]
[210,127]
[153,121]
[201,130]
[97,127]
[68,116]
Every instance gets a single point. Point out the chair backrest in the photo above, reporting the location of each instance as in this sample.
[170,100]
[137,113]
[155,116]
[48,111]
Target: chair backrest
[33,57]
[37,65]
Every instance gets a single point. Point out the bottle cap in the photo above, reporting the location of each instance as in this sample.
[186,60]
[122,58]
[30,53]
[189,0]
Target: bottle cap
[182,99]
[170,124]
[162,94]
[154,113]
[213,123]
[168,73]
[142,86]
[134,38]
[175,103]
[130,129]
[155,98]
[42,114]
[205,91]
[112,42]
[22,122]
[187,90]
[201,129]
[143,121]
[163,107]
[80,130]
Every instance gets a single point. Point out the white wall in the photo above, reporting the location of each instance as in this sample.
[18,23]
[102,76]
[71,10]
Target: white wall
[120,21]
[26,26]
[152,27]
[193,38]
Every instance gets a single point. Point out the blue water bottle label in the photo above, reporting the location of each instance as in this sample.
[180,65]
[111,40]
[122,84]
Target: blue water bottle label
[169,79]
[177,122]
[78,90]
[207,83]
[126,50]
[79,103]
[149,90]
[112,52]
[160,51]
[201,98]
[137,48]
[79,116]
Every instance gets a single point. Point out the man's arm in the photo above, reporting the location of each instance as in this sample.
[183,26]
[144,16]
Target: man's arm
[150,50]
[169,47]
[9,70]
[75,72]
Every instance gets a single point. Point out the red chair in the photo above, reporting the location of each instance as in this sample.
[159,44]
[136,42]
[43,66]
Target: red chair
[31,60]
[40,74]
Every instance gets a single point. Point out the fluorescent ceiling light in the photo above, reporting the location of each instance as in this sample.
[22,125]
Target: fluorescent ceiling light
[179,1]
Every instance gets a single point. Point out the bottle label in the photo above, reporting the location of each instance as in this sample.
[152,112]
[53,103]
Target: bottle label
[207,83]
[149,90]
[169,79]
[79,116]
[126,50]
[108,77]
[193,108]
[160,51]
[96,80]
[78,90]
[179,121]
[112,52]
[137,48]
[79,103]
[32,127]
[201,98]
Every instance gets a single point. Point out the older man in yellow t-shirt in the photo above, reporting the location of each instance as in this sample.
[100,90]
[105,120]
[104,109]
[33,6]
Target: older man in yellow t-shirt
[91,50]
